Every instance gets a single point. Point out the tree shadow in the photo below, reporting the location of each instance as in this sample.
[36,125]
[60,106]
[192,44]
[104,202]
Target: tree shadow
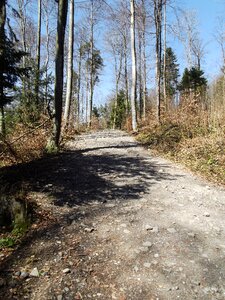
[80,177]
[72,178]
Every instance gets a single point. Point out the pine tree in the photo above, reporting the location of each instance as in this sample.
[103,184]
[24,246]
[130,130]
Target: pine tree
[192,80]
[9,67]
[118,114]
[171,74]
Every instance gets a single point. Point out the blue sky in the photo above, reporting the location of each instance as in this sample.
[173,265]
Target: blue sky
[207,13]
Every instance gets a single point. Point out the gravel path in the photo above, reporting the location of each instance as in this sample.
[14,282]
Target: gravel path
[120,224]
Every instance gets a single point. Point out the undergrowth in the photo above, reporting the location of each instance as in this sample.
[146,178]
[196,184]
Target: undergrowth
[25,142]
[190,142]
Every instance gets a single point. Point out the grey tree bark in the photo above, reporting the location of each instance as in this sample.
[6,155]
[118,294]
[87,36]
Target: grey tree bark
[2,41]
[164,61]
[22,24]
[59,64]
[144,58]
[79,86]
[92,65]
[38,53]
[126,73]
[134,67]
[158,50]
[69,65]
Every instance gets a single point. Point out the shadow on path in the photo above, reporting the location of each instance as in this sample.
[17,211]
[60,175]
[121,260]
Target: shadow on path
[72,178]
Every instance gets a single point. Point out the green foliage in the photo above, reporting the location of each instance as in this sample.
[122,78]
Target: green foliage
[10,70]
[29,109]
[7,242]
[95,112]
[95,64]
[118,113]
[51,147]
[192,79]
[20,229]
[172,72]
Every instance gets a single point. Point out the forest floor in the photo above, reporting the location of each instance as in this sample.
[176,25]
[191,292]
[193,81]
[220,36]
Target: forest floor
[119,224]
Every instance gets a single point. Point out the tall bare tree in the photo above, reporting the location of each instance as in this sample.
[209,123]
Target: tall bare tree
[59,64]
[164,56]
[2,41]
[158,5]
[38,52]
[69,64]
[134,66]
[92,66]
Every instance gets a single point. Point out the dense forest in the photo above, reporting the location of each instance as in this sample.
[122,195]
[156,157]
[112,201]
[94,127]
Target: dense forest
[54,55]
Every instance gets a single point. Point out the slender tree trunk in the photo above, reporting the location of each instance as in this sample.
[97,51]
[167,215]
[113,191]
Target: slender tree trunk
[47,57]
[134,68]
[166,101]
[69,65]
[2,24]
[38,53]
[59,64]
[2,121]
[78,87]
[144,59]
[158,26]
[118,75]
[140,75]
[23,21]
[21,6]
[87,93]
[2,44]
[126,73]
[92,65]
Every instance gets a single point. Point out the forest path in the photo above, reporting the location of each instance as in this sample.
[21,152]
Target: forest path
[120,224]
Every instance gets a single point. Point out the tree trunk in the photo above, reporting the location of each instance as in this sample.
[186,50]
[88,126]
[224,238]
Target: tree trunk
[78,86]
[144,59]
[22,14]
[118,75]
[2,121]
[69,65]
[134,68]
[140,74]
[166,101]
[92,65]
[59,64]
[126,75]
[38,54]
[158,48]
[47,55]
[2,42]
[87,92]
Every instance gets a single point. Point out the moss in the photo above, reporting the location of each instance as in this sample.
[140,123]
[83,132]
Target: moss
[7,242]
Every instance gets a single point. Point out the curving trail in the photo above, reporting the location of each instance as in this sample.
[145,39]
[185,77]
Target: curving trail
[120,224]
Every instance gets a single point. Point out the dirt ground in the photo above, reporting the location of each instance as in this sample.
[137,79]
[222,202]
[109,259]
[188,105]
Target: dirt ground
[119,224]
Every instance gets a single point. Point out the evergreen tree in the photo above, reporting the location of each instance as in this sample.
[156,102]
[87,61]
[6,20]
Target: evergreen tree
[97,62]
[192,80]
[119,111]
[9,66]
[172,73]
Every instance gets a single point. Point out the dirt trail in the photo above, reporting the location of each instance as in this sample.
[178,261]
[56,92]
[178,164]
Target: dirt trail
[121,224]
